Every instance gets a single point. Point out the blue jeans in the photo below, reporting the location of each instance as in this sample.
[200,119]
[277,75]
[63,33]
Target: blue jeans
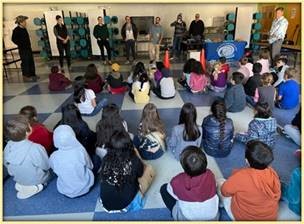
[177,43]
[145,154]
[96,163]
[101,104]
[250,100]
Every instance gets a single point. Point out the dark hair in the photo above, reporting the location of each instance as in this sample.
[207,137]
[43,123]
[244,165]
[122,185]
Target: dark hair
[159,65]
[138,70]
[222,59]
[58,17]
[54,69]
[30,113]
[99,17]
[258,154]
[116,167]
[218,109]
[263,110]
[264,54]
[244,60]
[237,77]
[197,68]
[188,118]
[257,68]
[282,59]
[188,67]
[91,72]
[193,161]
[16,128]
[79,89]
[142,79]
[109,123]
[279,9]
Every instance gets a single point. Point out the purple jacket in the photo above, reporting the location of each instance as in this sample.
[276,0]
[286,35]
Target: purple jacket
[157,76]
[221,80]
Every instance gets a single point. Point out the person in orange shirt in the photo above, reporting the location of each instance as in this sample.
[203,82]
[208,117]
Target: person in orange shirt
[252,193]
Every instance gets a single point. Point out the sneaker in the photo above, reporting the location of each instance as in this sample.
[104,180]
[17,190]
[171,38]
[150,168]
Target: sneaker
[172,58]
[127,62]
[110,62]
[29,191]
[280,131]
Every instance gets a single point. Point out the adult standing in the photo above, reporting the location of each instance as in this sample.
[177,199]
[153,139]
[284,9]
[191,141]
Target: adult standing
[156,36]
[179,32]
[22,39]
[197,28]
[63,42]
[101,33]
[129,35]
[277,33]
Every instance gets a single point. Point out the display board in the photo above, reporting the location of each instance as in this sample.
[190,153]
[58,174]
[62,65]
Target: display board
[92,16]
[50,19]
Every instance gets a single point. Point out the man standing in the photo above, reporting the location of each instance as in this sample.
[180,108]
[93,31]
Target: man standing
[197,28]
[179,32]
[156,36]
[63,42]
[101,33]
[277,33]
[22,39]
[129,35]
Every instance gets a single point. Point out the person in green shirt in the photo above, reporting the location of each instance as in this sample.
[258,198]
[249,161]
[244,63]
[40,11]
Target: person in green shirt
[101,33]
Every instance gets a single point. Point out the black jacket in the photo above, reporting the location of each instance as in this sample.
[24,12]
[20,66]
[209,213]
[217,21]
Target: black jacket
[21,38]
[211,142]
[252,83]
[197,28]
[123,31]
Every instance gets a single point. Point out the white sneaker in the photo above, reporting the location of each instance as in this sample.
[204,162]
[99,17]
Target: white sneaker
[28,191]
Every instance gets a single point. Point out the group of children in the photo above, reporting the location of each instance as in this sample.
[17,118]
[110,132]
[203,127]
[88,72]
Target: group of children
[77,154]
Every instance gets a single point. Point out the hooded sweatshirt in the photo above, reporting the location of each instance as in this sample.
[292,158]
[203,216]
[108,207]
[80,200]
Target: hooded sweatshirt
[71,163]
[27,162]
[196,196]
[255,194]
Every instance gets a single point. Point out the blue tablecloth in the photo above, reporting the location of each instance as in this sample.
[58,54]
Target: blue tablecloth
[232,50]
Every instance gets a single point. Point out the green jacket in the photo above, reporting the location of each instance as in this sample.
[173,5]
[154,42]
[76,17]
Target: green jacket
[101,31]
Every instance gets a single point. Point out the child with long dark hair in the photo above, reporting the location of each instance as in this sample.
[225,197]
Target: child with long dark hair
[120,170]
[198,81]
[166,89]
[57,81]
[93,79]
[262,127]
[141,89]
[110,122]
[40,134]
[138,69]
[186,133]
[188,68]
[218,131]
[150,140]
[71,116]
[85,98]
[266,92]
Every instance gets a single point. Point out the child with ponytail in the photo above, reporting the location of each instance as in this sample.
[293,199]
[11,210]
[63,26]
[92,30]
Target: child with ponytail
[217,131]
[141,89]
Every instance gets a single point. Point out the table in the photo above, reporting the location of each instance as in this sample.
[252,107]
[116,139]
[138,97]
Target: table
[232,50]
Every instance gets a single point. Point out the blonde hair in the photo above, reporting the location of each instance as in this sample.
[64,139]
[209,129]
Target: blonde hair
[264,54]
[150,120]
[290,73]
[267,79]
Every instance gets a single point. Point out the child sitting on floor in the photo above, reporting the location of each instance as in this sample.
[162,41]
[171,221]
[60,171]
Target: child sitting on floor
[71,163]
[57,81]
[120,169]
[252,193]
[224,65]
[188,68]
[288,91]
[218,78]
[158,73]
[141,89]
[115,82]
[262,127]
[136,71]
[278,75]
[264,60]
[165,89]
[266,92]
[85,98]
[93,79]
[26,161]
[198,81]
[40,134]
[191,195]
[186,133]
[150,142]
[235,97]
[244,69]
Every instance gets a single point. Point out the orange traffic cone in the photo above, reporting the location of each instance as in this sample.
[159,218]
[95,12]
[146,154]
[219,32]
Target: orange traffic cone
[166,59]
[203,60]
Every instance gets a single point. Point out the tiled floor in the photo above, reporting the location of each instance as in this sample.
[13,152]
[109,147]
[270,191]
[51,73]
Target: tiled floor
[50,205]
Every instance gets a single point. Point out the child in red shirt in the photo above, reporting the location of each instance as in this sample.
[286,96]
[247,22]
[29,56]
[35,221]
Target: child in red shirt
[40,134]
[57,81]
[93,79]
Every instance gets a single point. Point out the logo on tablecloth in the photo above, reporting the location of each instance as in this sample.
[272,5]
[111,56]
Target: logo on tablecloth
[226,50]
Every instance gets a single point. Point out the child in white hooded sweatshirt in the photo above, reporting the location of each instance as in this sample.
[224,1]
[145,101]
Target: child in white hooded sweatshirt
[71,163]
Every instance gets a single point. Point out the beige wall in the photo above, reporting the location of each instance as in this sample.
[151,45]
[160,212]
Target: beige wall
[167,12]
